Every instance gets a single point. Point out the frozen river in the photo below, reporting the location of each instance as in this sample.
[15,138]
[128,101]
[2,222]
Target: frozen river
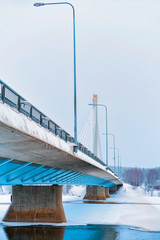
[129,214]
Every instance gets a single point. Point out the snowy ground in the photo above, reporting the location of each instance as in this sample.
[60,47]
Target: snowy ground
[130,206]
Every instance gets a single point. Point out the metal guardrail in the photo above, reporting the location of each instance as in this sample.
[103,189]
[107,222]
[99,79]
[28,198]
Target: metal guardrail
[13,99]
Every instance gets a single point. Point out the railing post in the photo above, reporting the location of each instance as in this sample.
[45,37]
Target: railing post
[3,92]
[48,125]
[40,120]
[30,114]
[56,130]
[19,103]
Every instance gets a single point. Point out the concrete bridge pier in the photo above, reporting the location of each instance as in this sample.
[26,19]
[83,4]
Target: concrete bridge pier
[114,188]
[107,192]
[36,204]
[95,193]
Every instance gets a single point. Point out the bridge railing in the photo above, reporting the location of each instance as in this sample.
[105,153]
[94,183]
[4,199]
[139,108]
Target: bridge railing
[13,99]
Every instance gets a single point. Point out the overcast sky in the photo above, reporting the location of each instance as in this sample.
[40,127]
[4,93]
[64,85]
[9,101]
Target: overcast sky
[118,58]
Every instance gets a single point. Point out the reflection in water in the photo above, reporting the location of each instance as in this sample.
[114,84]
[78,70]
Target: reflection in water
[89,232]
[36,232]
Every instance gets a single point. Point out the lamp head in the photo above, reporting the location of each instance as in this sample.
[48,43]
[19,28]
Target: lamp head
[38,4]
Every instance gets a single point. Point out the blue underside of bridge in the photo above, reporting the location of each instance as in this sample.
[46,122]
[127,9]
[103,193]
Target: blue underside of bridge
[18,173]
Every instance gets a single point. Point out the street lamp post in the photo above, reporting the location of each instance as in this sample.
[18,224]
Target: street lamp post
[120,171]
[102,105]
[118,159]
[74,57]
[114,148]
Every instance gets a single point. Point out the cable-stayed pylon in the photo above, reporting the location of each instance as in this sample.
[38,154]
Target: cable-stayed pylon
[90,135]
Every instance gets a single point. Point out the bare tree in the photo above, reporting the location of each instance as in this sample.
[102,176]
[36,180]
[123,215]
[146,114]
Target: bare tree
[133,176]
[152,176]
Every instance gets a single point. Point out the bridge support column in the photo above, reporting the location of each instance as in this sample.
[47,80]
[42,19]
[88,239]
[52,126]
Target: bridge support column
[107,192]
[113,189]
[118,187]
[95,193]
[36,204]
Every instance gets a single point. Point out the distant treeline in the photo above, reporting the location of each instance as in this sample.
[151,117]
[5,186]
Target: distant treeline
[141,176]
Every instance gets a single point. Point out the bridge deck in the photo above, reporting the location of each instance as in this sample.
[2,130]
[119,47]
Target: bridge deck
[26,141]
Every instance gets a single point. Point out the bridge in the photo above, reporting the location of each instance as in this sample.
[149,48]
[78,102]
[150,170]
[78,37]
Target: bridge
[38,157]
